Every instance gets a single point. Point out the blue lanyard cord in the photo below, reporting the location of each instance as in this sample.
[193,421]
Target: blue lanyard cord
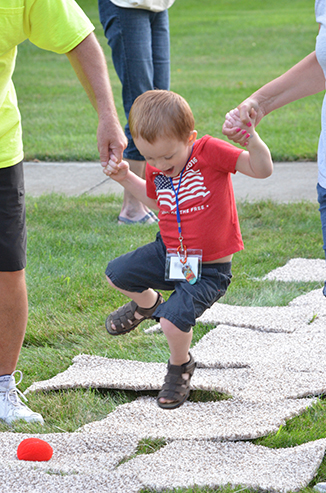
[176,193]
[177,200]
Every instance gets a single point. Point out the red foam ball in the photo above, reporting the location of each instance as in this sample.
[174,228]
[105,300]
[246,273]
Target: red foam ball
[34,449]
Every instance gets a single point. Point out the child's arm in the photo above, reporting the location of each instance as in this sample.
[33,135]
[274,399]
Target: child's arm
[121,173]
[256,161]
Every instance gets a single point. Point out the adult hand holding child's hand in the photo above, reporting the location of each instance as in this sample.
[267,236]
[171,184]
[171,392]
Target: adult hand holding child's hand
[116,170]
[236,130]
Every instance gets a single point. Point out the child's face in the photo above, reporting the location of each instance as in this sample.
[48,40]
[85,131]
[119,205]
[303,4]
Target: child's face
[167,155]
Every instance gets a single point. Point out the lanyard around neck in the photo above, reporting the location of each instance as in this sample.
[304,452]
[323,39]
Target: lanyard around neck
[176,193]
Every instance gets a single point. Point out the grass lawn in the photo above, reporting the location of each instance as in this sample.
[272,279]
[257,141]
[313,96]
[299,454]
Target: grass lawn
[70,242]
[220,53]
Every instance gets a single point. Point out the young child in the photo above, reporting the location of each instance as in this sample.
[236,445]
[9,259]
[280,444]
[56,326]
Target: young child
[189,182]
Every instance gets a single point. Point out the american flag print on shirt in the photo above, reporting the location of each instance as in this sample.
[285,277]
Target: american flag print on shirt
[192,187]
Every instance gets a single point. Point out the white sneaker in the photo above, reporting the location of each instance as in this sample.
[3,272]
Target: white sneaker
[11,407]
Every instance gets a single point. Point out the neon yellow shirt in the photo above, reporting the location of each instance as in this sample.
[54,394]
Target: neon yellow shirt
[54,25]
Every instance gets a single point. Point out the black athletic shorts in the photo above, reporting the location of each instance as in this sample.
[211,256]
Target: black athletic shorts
[13,236]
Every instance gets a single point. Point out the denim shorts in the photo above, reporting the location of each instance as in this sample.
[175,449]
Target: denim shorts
[145,268]
[140,43]
[322,209]
[13,236]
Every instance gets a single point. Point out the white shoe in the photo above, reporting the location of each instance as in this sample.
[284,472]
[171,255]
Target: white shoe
[11,407]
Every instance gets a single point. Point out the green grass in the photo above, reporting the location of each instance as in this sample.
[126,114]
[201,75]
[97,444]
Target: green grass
[220,53]
[70,241]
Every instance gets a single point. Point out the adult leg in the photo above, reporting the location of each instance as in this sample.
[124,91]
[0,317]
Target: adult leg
[13,295]
[161,50]
[160,43]
[128,32]
[322,209]
[13,318]
[13,321]
[132,210]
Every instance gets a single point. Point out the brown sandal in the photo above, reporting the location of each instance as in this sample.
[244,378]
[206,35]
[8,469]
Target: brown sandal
[124,318]
[175,387]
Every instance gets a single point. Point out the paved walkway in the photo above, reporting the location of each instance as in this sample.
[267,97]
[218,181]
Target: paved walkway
[290,182]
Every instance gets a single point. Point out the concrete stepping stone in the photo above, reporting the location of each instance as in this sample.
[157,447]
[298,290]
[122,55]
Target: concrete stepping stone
[263,318]
[299,351]
[84,462]
[300,270]
[321,487]
[99,372]
[317,302]
[80,463]
[33,480]
[182,464]
[315,299]
[279,365]
[224,420]
[265,357]
[243,363]
[269,385]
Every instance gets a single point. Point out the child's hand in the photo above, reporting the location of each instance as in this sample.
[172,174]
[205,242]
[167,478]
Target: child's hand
[116,171]
[237,131]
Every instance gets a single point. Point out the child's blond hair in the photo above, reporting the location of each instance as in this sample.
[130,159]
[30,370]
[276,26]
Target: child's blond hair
[160,113]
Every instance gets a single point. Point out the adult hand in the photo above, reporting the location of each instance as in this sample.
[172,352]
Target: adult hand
[238,131]
[111,140]
[116,170]
[249,113]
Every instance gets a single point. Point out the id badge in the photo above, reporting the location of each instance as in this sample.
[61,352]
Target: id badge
[189,271]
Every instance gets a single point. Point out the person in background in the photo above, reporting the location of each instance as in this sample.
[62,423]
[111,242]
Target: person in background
[59,26]
[304,79]
[138,35]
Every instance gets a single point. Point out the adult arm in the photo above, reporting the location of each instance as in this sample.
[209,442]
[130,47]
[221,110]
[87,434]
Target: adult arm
[303,79]
[88,61]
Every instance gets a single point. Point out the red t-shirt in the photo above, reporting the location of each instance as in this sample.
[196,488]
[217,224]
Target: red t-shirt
[209,219]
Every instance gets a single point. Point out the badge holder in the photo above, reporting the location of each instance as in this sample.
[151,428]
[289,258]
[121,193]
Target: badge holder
[183,264]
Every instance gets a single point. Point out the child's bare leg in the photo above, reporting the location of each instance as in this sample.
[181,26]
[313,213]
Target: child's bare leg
[146,299]
[179,344]
[178,341]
